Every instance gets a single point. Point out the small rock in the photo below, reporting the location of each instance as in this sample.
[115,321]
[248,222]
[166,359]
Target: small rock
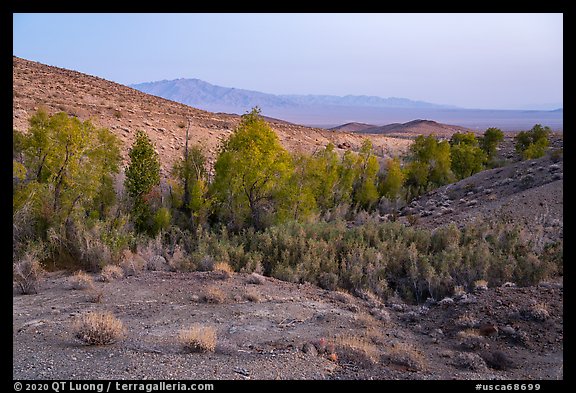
[508,330]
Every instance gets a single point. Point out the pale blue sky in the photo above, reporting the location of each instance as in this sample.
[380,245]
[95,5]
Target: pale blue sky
[496,61]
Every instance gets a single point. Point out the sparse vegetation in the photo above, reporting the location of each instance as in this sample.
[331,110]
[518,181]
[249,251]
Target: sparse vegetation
[471,339]
[406,355]
[480,285]
[98,328]
[111,273]
[81,280]
[213,295]
[27,273]
[357,350]
[466,320]
[252,296]
[224,270]
[198,338]
[537,312]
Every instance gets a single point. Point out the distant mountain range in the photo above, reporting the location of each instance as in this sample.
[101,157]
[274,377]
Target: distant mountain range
[197,93]
[328,111]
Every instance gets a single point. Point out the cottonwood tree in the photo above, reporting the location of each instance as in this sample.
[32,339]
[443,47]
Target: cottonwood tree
[532,144]
[391,185]
[467,158]
[192,176]
[490,140]
[250,169]
[365,192]
[63,168]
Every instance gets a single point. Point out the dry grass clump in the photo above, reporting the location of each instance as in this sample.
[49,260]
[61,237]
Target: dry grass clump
[252,296]
[95,296]
[407,355]
[480,285]
[27,273]
[471,339]
[256,279]
[466,321]
[357,350]
[98,328]
[81,280]
[223,269]
[537,312]
[470,361]
[364,320]
[111,273]
[498,360]
[198,338]
[459,291]
[132,264]
[213,295]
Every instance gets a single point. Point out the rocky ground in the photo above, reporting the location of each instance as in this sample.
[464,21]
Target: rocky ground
[529,192]
[280,330]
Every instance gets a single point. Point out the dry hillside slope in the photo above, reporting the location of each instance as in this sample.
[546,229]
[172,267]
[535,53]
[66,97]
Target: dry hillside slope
[124,110]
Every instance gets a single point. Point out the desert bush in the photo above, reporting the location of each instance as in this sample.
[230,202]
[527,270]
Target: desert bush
[213,295]
[471,339]
[556,154]
[470,361]
[179,260]
[158,263]
[98,328]
[111,273]
[480,285]
[95,296]
[357,350]
[406,355]
[537,312]
[224,270]
[466,320]
[252,296]
[81,280]
[132,264]
[198,338]
[27,273]
[498,360]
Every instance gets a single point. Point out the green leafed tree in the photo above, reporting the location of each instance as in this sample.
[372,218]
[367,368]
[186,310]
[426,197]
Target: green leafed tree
[490,140]
[365,191]
[532,144]
[298,197]
[142,174]
[249,172]
[467,157]
[429,166]
[192,176]
[393,180]
[64,166]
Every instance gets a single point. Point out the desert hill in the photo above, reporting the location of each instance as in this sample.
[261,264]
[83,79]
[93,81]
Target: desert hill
[124,110]
[353,127]
[408,129]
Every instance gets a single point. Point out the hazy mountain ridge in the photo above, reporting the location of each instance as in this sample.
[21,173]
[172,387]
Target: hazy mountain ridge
[329,111]
[198,92]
